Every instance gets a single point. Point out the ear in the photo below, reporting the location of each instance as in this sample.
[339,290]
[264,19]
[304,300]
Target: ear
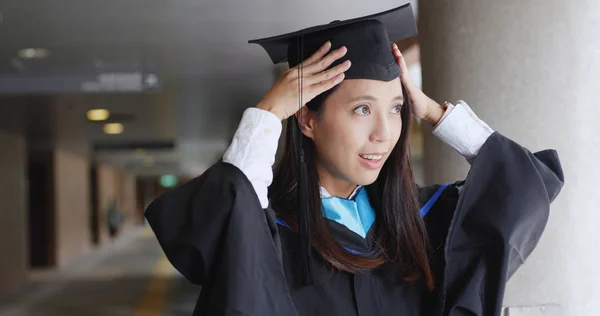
[307,121]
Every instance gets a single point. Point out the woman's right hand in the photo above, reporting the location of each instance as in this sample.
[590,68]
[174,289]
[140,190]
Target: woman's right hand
[282,99]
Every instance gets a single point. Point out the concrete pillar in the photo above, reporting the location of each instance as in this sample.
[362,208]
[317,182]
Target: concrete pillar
[128,199]
[14,266]
[71,174]
[72,206]
[531,70]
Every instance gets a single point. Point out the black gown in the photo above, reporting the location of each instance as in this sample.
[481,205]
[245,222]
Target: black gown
[215,232]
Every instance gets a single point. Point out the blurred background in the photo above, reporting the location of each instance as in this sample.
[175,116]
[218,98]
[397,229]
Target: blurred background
[104,105]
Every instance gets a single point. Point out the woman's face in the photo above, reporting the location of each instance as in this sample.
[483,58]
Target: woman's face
[355,132]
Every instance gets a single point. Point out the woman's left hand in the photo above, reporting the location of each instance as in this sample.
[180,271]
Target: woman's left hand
[423,106]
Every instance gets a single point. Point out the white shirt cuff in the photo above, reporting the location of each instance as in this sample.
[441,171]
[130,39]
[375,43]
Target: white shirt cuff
[253,149]
[462,130]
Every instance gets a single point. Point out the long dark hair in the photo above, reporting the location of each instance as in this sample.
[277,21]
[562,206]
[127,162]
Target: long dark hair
[400,235]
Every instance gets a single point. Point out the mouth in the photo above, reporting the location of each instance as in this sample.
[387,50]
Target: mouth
[372,160]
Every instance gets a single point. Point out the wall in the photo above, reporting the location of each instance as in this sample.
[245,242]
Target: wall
[13,213]
[127,198]
[114,185]
[107,192]
[72,206]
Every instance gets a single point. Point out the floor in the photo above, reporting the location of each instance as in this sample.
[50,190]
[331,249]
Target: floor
[129,277]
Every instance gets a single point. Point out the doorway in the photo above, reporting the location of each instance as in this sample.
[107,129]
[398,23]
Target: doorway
[41,210]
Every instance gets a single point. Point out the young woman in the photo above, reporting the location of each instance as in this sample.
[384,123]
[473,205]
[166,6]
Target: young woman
[378,244]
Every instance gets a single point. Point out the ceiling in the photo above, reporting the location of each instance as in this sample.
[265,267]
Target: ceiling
[198,51]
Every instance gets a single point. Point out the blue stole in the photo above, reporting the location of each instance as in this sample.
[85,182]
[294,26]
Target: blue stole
[356,214]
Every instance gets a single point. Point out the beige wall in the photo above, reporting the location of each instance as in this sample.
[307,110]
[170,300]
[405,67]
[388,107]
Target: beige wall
[119,186]
[72,206]
[128,198]
[13,213]
[107,192]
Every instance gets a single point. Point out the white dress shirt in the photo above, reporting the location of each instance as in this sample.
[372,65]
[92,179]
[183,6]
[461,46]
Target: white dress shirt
[255,142]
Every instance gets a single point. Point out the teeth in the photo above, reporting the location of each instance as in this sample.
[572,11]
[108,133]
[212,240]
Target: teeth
[372,157]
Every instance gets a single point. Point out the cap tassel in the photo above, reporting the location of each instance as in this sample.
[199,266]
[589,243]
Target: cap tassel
[303,215]
[304,221]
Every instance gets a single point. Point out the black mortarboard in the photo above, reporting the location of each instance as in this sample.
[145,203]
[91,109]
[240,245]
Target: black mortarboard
[369,43]
[367,38]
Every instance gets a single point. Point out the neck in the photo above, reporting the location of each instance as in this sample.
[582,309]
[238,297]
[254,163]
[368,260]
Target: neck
[335,186]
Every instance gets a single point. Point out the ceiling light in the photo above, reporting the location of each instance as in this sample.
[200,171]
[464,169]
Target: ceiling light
[33,53]
[98,115]
[113,128]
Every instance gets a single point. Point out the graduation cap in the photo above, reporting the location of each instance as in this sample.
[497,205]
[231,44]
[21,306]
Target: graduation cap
[368,40]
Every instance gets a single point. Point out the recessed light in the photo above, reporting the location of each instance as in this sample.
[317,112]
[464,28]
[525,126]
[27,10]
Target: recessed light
[98,115]
[113,128]
[33,53]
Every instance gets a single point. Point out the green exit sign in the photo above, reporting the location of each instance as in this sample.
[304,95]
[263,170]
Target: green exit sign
[168,180]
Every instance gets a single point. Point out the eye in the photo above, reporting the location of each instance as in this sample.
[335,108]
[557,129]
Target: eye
[396,109]
[362,110]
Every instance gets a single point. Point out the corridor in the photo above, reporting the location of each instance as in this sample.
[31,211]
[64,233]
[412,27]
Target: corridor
[129,277]
[107,105]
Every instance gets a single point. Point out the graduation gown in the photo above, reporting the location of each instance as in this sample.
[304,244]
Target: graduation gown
[215,232]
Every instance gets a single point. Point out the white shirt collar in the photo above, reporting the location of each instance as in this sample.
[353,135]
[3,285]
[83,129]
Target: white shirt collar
[325,194]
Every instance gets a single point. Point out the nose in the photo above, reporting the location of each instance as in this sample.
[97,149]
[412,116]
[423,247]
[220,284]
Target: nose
[381,132]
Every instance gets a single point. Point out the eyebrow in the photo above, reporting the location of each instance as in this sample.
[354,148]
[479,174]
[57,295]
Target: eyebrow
[372,98]
[398,98]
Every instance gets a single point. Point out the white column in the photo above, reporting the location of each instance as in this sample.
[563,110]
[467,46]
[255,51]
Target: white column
[530,69]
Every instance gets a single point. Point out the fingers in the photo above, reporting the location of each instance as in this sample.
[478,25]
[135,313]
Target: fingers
[317,81]
[399,57]
[316,89]
[328,74]
[325,62]
[318,54]
[316,62]
[402,63]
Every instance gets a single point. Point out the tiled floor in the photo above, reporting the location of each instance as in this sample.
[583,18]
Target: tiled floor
[130,277]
